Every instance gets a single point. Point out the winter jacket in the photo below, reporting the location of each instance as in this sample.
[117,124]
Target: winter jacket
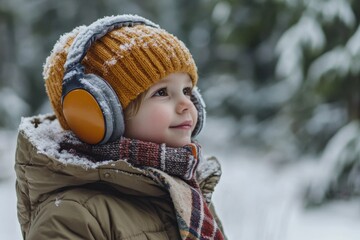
[61,196]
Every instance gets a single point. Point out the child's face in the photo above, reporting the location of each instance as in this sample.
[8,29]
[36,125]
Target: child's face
[166,115]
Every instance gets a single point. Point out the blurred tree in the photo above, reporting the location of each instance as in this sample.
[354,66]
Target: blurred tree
[287,70]
[327,98]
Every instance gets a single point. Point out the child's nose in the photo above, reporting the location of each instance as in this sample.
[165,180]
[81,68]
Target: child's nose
[184,104]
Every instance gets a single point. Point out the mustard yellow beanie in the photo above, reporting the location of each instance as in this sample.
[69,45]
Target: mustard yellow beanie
[130,59]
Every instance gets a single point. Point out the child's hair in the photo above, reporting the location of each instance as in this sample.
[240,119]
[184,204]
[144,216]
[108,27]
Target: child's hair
[131,59]
[133,108]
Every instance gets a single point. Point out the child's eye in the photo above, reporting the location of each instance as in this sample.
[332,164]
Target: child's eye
[187,91]
[161,92]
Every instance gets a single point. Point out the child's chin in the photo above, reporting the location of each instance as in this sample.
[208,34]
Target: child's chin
[178,144]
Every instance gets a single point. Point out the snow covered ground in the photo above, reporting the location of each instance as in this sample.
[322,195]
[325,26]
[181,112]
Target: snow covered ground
[255,199]
[257,202]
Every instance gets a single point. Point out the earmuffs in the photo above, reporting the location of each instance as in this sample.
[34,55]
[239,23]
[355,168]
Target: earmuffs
[90,106]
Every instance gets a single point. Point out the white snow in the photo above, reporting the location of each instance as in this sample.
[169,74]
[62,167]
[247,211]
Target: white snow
[338,59]
[326,117]
[57,202]
[258,202]
[353,44]
[334,9]
[332,159]
[307,32]
[343,60]
[128,46]
[111,62]
[47,136]
[255,199]
[329,10]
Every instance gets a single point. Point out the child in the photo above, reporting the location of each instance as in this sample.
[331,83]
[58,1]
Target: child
[119,160]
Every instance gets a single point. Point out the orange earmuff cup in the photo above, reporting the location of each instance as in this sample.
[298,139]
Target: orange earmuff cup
[83,114]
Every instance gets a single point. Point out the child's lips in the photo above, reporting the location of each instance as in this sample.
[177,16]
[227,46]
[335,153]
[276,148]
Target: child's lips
[184,125]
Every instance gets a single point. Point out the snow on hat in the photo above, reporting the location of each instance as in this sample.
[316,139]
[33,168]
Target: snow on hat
[131,59]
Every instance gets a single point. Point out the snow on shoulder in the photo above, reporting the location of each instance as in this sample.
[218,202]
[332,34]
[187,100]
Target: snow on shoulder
[45,134]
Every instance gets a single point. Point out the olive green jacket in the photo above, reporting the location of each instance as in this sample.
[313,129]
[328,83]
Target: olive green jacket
[61,196]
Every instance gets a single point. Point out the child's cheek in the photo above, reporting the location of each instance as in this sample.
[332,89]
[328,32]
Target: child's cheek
[160,118]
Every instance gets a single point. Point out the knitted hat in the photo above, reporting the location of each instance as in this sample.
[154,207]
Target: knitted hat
[131,59]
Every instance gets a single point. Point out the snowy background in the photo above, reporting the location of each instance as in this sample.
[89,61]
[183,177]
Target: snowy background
[281,79]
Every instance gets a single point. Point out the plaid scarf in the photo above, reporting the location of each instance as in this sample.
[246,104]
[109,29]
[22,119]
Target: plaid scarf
[180,162]
[195,222]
